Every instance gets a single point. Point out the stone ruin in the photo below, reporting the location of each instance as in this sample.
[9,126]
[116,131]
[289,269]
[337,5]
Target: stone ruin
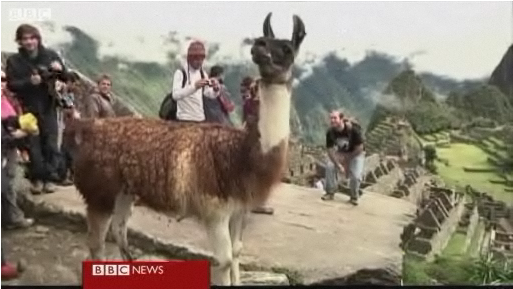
[499,220]
[381,173]
[404,185]
[436,221]
[302,164]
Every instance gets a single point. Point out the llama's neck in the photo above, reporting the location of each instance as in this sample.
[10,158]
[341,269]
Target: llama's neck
[274,115]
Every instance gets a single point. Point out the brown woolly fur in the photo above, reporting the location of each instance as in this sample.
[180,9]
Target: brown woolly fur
[212,172]
[181,168]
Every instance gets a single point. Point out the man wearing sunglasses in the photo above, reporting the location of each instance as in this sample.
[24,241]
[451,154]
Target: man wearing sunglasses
[30,73]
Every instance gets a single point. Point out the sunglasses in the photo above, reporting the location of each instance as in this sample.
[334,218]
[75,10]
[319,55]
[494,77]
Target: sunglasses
[196,57]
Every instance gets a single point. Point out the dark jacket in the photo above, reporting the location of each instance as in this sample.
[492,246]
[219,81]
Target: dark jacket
[250,110]
[8,141]
[20,67]
[214,110]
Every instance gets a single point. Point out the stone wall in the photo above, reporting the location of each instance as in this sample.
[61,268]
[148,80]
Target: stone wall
[409,186]
[498,217]
[301,164]
[502,244]
[468,224]
[436,221]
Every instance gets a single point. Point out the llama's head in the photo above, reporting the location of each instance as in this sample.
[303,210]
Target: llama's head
[275,57]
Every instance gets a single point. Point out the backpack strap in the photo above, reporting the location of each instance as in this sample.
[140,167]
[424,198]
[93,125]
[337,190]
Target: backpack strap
[184,78]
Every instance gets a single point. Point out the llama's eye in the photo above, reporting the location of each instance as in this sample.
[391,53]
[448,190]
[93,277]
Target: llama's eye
[286,50]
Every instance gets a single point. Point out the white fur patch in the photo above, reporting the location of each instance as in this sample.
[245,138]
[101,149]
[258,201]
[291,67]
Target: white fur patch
[274,116]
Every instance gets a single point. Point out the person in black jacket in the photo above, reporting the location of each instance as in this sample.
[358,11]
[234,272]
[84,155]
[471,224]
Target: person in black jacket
[30,75]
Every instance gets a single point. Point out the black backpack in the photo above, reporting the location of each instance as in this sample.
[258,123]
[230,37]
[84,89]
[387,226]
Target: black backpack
[168,107]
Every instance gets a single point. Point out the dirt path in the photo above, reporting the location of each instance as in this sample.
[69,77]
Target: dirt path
[53,256]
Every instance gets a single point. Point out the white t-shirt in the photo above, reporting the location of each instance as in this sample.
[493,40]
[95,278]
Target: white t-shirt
[189,100]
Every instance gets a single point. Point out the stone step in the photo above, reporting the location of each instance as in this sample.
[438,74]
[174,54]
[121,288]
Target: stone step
[251,278]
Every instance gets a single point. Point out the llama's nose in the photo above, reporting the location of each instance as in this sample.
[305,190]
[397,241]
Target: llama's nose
[259,50]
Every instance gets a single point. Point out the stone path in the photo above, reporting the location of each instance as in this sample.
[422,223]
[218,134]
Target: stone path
[52,255]
[317,240]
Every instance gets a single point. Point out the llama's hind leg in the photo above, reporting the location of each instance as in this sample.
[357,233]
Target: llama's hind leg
[122,212]
[219,237]
[237,224]
[98,225]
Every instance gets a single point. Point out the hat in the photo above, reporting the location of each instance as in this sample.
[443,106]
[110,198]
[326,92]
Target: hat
[196,48]
[28,123]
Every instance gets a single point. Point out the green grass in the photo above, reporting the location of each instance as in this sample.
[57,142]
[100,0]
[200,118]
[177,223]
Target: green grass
[441,136]
[455,245]
[429,138]
[446,270]
[414,271]
[496,141]
[464,155]
[474,242]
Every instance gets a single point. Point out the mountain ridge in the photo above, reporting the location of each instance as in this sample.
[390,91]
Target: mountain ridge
[330,82]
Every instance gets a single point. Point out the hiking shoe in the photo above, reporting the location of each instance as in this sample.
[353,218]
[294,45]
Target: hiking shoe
[9,272]
[22,224]
[263,210]
[138,202]
[49,188]
[328,197]
[37,188]
[66,183]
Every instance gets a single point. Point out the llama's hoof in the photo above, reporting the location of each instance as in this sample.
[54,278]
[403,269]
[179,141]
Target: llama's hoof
[263,210]
[126,255]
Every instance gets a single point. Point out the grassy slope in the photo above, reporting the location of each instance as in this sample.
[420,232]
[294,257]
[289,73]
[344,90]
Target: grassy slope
[464,155]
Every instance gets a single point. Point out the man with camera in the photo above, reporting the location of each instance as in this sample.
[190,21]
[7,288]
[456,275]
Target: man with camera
[31,75]
[191,83]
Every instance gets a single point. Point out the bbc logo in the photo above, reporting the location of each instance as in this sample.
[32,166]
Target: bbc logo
[111,270]
[30,14]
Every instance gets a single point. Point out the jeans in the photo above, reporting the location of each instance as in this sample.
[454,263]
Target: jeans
[11,212]
[44,150]
[355,173]
[3,256]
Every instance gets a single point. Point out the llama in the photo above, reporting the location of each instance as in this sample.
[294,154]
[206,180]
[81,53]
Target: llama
[210,172]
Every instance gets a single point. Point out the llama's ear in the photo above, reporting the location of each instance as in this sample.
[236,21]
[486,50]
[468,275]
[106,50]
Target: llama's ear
[298,33]
[268,30]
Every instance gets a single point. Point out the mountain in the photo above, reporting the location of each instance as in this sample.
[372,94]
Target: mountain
[502,76]
[486,101]
[326,83]
[407,97]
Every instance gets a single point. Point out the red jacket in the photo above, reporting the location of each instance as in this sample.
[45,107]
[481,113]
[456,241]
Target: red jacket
[250,110]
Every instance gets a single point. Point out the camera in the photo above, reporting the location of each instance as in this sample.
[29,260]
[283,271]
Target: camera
[65,100]
[46,73]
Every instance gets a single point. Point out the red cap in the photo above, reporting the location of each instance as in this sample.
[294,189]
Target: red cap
[196,48]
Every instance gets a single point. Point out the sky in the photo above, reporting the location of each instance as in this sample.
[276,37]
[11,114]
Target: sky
[456,39]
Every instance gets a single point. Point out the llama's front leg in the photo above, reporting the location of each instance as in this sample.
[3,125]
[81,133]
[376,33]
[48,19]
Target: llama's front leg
[219,236]
[237,224]
[98,225]
[122,212]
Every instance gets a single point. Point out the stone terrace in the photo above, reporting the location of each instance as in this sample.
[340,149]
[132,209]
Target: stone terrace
[317,240]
